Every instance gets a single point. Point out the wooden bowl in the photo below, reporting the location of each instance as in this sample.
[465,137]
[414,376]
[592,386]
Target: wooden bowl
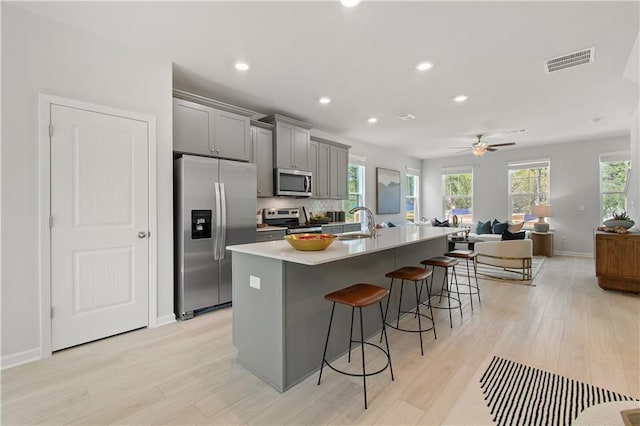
[310,242]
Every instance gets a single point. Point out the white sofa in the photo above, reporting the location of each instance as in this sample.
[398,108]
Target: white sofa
[512,255]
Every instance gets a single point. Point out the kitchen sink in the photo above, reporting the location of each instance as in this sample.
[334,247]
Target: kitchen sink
[353,236]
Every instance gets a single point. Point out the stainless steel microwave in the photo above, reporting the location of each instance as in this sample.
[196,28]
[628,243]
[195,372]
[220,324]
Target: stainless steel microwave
[296,183]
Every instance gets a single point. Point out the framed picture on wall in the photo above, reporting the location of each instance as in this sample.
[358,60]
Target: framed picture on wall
[387,191]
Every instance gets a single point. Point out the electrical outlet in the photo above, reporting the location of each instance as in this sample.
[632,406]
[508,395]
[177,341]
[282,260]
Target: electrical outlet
[254,282]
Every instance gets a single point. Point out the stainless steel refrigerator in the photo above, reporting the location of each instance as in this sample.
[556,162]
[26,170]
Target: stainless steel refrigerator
[215,206]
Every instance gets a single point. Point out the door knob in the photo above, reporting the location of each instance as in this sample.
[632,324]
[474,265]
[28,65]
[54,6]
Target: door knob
[142,234]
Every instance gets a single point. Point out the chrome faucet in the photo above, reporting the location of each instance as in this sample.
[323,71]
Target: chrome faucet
[371,220]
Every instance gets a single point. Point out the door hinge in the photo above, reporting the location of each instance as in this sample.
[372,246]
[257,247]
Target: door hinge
[149,234]
[50,130]
[52,312]
[50,221]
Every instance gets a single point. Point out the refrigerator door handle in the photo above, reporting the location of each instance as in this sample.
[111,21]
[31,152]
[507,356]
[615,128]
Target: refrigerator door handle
[223,215]
[216,239]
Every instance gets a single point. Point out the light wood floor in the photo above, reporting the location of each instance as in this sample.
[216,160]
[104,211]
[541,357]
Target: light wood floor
[186,373]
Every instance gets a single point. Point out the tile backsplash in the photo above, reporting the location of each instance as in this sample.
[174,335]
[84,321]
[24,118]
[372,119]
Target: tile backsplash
[311,205]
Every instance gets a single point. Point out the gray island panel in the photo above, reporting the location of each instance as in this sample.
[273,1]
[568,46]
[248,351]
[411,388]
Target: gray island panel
[279,329]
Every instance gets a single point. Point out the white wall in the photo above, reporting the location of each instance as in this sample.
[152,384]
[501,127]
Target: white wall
[41,56]
[633,196]
[574,182]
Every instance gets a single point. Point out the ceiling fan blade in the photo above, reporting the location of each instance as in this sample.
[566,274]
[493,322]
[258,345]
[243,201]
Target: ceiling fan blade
[459,147]
[491,149]
[501,144]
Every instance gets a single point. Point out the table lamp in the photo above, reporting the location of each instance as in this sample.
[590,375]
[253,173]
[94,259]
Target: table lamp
[541,211]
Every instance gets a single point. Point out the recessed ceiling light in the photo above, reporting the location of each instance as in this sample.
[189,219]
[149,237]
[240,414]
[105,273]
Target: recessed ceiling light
[324,100]
[372,120]
[460,98]
[349,3]
[424,65]
[406,117]
[241,66]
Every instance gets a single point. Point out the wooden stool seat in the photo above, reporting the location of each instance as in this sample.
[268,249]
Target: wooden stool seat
[410,273]
[462,254]
[442,261]
[358,295]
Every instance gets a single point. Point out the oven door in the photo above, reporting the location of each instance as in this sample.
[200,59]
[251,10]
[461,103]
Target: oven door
[305,230]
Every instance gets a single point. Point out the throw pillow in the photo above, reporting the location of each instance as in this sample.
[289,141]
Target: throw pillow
[506,235]
[498,227]
[443,224]
[515,227]
[483,228]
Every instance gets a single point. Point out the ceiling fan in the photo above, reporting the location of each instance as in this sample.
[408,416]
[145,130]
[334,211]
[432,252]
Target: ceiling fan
[480,147]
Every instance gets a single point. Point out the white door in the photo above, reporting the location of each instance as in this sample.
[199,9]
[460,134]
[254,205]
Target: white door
[99,233]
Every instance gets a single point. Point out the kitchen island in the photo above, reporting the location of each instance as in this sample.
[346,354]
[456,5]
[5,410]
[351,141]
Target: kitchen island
[280,317]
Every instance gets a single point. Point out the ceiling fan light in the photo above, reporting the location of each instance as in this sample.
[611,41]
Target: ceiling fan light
[479,150]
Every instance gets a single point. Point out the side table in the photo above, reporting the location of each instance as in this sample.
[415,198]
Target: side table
[470,242]
[542,243]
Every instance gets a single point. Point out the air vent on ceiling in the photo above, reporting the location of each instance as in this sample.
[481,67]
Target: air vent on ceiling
[406,117]
[569,60]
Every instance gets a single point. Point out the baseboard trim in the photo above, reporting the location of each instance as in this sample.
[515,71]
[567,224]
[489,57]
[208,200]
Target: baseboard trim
[20,358]
[572,253]
[165,320]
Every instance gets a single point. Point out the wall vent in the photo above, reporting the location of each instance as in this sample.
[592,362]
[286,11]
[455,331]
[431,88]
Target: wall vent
[569,60]
[406,117]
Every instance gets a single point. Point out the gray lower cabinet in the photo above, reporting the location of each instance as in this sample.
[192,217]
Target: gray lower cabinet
[341,228]
[208,127]
[270,235]
[262,140]
[332,229]
[291,142]
[352,227]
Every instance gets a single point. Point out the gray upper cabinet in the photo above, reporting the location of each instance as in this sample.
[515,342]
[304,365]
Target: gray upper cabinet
[330,173]
[339,163]
[192,125]
[291,142]
[208,127]
[262,141]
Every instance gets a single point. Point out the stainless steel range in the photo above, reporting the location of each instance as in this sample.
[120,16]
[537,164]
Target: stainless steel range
[291,218]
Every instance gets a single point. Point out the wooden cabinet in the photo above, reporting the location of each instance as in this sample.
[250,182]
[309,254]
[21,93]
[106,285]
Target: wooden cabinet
[262,236]
[291,142]
[208,127]
[329,163]
[542,243]
[616,257]
[262,141]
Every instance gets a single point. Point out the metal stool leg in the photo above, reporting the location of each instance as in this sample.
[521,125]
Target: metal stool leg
[400,303]
[326,343]
[351,335]
[364,373]
[433,319]
[475,273]
[469,281]
[455,275]
[445,282]
[384,332]
[386,311]
[418,314]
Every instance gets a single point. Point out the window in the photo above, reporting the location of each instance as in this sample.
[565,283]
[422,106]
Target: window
[457,193]
[412,203]
[355,177]
[528,186]
[614,169]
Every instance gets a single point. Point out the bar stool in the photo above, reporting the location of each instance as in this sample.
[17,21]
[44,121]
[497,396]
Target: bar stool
[468,255]
[446,263]
[358,296]
[411,273]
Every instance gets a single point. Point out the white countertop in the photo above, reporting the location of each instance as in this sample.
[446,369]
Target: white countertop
[271,228]
[388,238]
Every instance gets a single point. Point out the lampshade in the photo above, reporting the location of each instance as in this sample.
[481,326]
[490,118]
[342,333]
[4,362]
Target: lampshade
[541,211]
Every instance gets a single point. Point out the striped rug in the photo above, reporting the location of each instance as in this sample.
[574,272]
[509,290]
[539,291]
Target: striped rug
[521,395]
